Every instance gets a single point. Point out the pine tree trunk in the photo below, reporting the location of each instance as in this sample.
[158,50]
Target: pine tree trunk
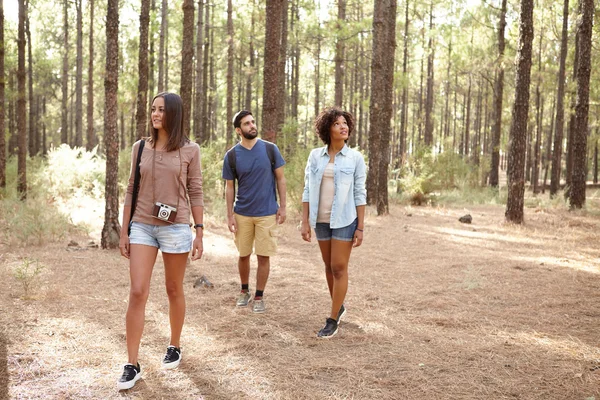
[580,131]
[518,129]
[212,91]
[429,98]
[79,78]
[539,105]
[339,53]
[112,229]
[12,116]
[318,76]
[91,137]
[281,90]
[382,83]
[560,108]
[204,134]
[64,125]
[2,104]
[295,84]
[187,64]
[250,73]
[141,117]
[44,148]
[198,98]
[151,61]
[498,96]
[228,127]
[271,75]
[21,105]
[548,156]
[161,46]
[30,131]
[596,161]
[571,124]
[468,121]
[404,109]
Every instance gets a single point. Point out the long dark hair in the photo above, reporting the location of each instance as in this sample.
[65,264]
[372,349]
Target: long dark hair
[172,121]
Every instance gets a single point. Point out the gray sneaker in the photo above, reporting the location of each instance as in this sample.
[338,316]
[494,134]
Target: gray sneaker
[243,299]
[259,306]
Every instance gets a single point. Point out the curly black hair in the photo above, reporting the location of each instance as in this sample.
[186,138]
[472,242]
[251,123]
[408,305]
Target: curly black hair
[327,117]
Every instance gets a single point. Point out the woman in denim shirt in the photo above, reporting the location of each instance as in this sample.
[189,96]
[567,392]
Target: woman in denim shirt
[333,204]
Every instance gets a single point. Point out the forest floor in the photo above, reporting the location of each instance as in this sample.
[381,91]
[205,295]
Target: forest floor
[436,310]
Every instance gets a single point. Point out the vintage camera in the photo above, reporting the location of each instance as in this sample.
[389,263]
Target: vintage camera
[164,212]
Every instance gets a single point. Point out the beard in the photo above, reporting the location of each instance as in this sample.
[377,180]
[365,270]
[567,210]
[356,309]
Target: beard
[250,135]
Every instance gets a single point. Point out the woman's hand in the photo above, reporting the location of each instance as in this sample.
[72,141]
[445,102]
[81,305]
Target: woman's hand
[305,231]
[358,238]
[197,246]
[124,244]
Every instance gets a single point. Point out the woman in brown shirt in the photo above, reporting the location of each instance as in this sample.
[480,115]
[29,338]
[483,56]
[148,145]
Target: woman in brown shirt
[170,174]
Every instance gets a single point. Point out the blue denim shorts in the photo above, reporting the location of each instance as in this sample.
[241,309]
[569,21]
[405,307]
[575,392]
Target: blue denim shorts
[345,234]
[176,238]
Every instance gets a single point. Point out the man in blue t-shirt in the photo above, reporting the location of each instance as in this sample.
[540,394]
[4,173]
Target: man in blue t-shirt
[258,168]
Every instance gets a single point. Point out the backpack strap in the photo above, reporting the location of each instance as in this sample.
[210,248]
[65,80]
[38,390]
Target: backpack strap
[136,183]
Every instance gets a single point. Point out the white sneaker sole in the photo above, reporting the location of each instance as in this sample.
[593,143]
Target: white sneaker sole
[130,384]
[172,365]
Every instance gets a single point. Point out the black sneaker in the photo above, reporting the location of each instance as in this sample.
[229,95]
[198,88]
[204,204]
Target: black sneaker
[131,374]
[341,313]
[329,330]
[172,358]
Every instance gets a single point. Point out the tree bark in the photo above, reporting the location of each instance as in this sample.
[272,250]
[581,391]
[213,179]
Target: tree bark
[198,98]
[228,127]
[31,128]
[339,54]
[204,134]
[64,125]
[271,76]
[539,105]
[187,64]
[518,129]
[281,90]
[560,108]
[404,108]
[429,98]
[498,96]
[580,131]
[21,105]
[382,81]
[112,228]
[141,117]
[2,109]
[161,46]
[91,137]
[79,78]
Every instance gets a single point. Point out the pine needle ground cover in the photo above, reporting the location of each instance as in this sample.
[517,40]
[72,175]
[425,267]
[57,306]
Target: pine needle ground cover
[436,309]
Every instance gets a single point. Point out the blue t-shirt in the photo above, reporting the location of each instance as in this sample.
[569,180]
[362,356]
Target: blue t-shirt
[255,196]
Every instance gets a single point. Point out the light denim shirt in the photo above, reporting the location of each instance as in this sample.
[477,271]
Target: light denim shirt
[349,175]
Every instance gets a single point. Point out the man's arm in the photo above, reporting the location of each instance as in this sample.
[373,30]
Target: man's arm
[281,189]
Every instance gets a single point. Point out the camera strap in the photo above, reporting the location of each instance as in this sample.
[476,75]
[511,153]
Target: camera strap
[178,177]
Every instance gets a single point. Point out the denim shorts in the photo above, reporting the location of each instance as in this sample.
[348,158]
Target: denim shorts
[345,234]
[176,238]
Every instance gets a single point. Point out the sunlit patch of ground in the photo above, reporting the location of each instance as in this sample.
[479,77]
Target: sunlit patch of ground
[436,310]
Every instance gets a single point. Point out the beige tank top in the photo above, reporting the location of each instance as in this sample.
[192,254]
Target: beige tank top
[326,195]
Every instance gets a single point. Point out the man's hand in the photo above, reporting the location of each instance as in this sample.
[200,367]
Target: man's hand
[231,224]
[280,216]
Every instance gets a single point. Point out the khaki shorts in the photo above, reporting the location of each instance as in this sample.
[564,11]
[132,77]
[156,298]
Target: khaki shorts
[258,231]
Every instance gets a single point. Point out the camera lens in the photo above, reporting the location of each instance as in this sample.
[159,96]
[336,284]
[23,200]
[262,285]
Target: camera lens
[163,214]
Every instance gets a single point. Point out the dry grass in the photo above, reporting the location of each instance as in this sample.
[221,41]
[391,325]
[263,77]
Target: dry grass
[436,310]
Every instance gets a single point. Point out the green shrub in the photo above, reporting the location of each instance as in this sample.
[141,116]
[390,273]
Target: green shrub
[27,273]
